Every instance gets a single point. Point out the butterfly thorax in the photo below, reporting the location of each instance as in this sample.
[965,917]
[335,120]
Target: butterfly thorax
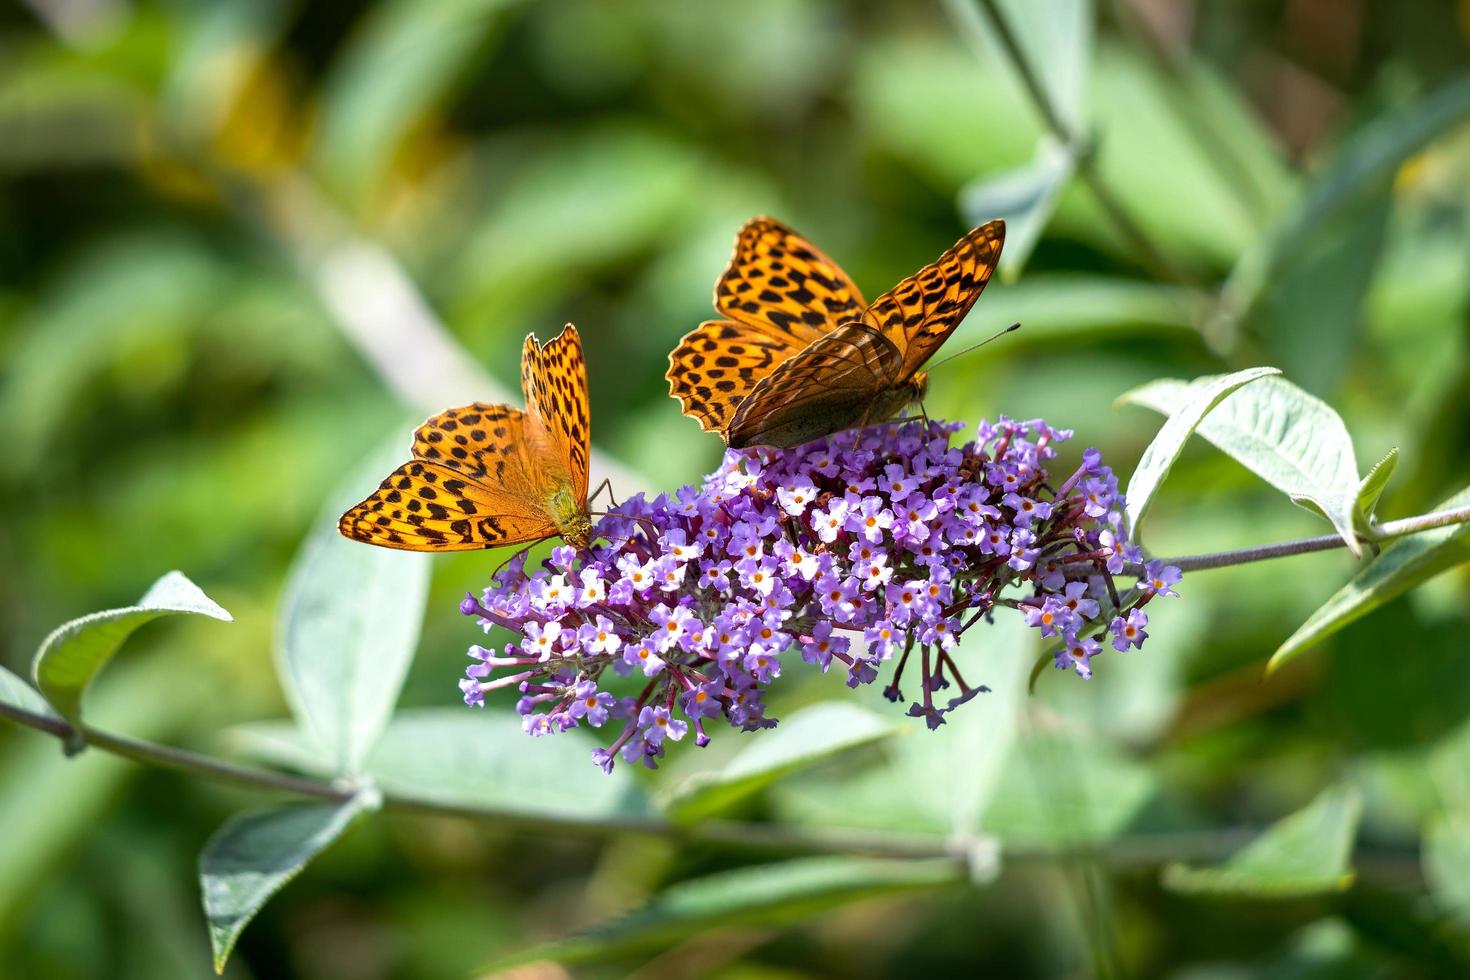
[891,401]
[570,515]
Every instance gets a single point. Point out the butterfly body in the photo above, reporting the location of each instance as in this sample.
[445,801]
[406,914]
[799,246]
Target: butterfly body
[484,475]
[800,354]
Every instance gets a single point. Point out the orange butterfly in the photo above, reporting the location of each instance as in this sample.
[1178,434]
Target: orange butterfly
[488,475]
[800,354]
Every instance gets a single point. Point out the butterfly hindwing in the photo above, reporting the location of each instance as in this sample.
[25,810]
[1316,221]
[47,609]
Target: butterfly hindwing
[780,283]
[830,385]
[920,313]
[717,364]
[425,506]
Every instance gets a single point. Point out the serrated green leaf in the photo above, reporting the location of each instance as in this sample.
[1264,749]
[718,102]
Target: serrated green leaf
[1194,402]
[74,652]
[254,855]
[1307,853]
[1372,487]
[18,694]
[1407,562]
[769,895]
[803,739]
[348,627]
[1446,857]
[455,757]
[1292,440]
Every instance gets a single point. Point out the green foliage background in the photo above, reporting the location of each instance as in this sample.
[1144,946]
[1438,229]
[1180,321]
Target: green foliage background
[177,390]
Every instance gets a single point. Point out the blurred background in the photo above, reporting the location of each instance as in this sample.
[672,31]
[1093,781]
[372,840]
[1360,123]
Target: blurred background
[244,243]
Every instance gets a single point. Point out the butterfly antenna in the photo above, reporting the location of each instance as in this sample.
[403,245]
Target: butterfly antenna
[996,336]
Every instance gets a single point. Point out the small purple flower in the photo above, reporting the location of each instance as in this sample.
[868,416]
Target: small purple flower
[1159,579]
[1129,632]
[657,725]
[590,703]
[1077,654]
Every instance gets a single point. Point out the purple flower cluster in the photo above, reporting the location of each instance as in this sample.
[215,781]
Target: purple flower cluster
[869,546]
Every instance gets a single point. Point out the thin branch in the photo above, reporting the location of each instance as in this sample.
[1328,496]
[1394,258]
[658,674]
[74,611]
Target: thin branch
[1082,149]
[1325,542]
[1136,851]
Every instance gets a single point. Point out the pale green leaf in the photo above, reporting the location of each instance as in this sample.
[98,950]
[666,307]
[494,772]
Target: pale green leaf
[1185,412]
[455,757]
[1446,857]
[1292,440]
[254,855]
[1407,562]
[18,694]
[348,627]
[803,739]
[74,652]
[767,895]
[1307,853]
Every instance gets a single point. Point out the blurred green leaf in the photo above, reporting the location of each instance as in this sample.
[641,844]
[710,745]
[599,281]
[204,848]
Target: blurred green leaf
[1024,197]
[349,625]
[804,738]
[1306,853]
[1065,790]
[399,65]
[1370,156]
[74,652]
[124,293]
[254,855]
[1372,486]
[1053,308]
[1407,562]
[1186,412]
[1311,316]
[1054,36]
[18,694]
[771,895]
[1290,439]
[1446,856]
[456,757]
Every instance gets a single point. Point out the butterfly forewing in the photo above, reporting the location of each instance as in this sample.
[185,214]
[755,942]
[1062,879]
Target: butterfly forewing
[780,283]
[488,475]
[920,313]
[554,381]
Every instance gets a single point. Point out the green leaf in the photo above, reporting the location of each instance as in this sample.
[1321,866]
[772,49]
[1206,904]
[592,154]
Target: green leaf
[803,739]
[1407,562]
[1064,790]
[348,628]
[18,694]
[1290,439]
[1371,156]
[482,760]
[1372,487]
[1024,197]
[254,855]
[74,652]
[1185,412]
[1306,853]
[1446,857]
[402,60]
[1054,36]
[768,895]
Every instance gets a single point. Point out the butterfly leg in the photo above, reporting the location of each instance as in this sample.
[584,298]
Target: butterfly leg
[516,554]
[606,484]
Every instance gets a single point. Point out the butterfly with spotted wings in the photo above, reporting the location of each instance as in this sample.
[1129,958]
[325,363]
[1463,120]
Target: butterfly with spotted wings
[799,354]
[483,476]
